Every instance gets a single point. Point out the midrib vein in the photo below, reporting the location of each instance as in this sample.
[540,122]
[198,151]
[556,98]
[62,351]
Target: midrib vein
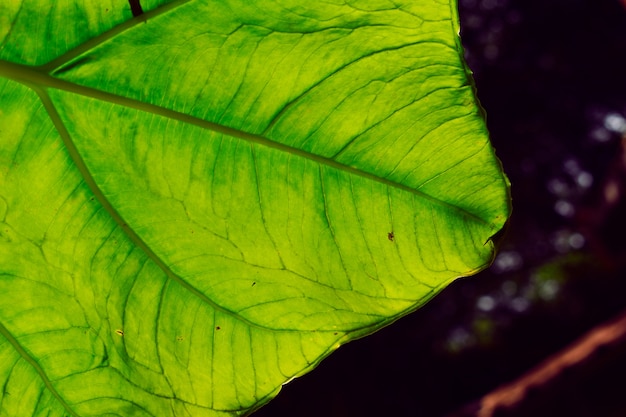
[35,80]
[39,80]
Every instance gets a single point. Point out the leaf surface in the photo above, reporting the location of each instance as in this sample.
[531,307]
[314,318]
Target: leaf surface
[200,203]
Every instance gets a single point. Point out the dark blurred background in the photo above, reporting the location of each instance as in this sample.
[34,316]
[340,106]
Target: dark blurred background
[551,75]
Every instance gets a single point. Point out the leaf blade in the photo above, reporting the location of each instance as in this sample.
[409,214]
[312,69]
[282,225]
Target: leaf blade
[233,221]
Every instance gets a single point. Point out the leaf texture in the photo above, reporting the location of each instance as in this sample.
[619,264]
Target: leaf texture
[200,203]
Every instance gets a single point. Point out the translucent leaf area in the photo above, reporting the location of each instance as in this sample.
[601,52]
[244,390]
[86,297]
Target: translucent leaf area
[200,203]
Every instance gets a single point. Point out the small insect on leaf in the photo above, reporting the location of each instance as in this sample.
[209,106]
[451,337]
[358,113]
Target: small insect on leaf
[391,236]
[119,332]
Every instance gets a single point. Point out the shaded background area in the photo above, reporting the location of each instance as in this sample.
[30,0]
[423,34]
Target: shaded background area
[552,78]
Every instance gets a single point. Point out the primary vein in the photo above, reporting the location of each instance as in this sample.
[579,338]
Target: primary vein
[36,79]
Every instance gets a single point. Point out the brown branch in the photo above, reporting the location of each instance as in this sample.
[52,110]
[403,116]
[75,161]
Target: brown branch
[606,337]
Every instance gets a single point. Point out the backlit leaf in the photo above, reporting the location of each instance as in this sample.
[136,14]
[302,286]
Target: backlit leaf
[200,203]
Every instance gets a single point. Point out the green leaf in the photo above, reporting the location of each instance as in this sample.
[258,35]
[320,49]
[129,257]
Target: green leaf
[201,203]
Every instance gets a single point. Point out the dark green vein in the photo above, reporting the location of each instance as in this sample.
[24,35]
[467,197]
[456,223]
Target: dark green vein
[337,70]
[5,332]
[55,64]
[134,237]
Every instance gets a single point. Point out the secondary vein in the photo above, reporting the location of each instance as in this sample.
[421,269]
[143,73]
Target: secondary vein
[28,358]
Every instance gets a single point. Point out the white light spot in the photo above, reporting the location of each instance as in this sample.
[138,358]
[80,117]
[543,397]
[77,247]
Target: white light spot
[507,261]
[564,208]
[615,122]
[459,339]
[486,303]
[601,135]
[519,304]
[558,187]
[584,179]
[548,290]
[576,241]
[571,166]
[564,241]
